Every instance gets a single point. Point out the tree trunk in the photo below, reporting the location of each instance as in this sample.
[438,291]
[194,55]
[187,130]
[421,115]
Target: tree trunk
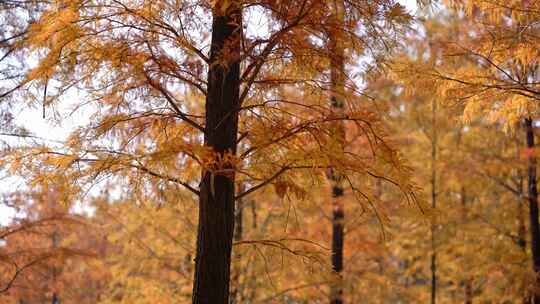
[467,283]
[433,202]
[337,90]
[521,229]
[468,292]
[236,295]
[533,208]
[238,220]
[521,225]
[253,215]
[217,190]
[55,239]
[338,215]
[55,299]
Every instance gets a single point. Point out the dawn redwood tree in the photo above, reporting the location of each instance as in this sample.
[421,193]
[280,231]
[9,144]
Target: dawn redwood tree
[532,193]
[433,228]
[158,112]
[217,189]
[337,94]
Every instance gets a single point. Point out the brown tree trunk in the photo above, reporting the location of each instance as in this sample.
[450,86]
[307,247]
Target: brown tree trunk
[238,220]
[236,296]
[55,239]
[55,299]
[468,288]
[521,228]
[433,202]
[338,215]
[217,190]
[337,90]
[533,208]
[253,215]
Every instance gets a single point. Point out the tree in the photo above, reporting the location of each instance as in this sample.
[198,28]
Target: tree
[337,94]
[217,187]
[160,110]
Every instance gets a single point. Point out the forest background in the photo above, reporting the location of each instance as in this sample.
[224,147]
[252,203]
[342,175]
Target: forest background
[373,154]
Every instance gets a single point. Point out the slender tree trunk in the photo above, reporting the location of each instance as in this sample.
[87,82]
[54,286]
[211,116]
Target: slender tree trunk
[338,215]
[468,292]
[467,284]
[55,299]
[251,286]
[188,263]
[337,71]
[253,215]
[377,194]
[55,239]
[522,243]
[533,208]
[433,202]
[521,228]
[238,235]
[217,190]
[238,220]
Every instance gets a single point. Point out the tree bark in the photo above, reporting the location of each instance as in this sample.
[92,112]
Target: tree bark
[55,299]
[521,229]
[217,188]
[433,202]
[338,215]
[337,90]
[533,208]
[236,295]
[467,283]
[521,223]
[55,239]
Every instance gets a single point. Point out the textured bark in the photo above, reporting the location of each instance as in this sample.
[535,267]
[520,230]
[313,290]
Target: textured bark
[521,222]
[337,90]
[521,229]
[434,203]
[216,198]
[338,215]
[238,220]
[533,208]
[236,295]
